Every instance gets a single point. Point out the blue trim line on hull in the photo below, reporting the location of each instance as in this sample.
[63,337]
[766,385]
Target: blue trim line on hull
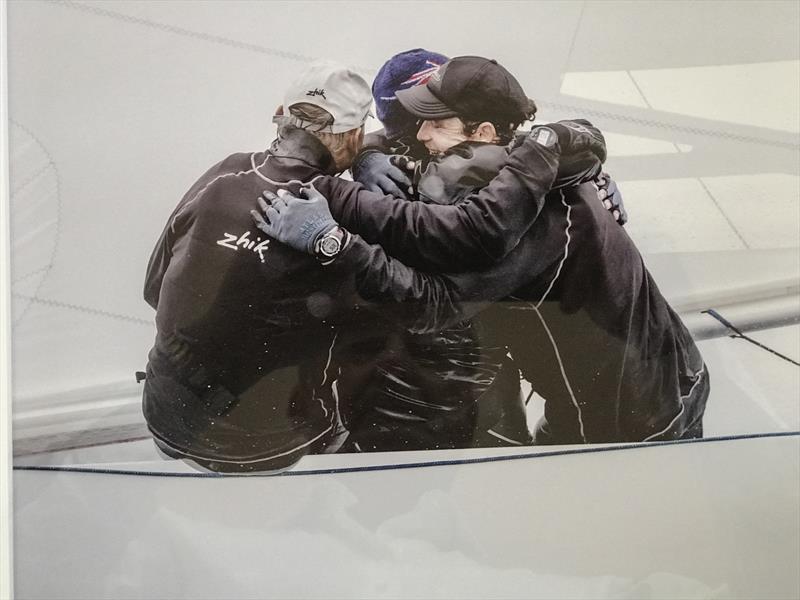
[415,465]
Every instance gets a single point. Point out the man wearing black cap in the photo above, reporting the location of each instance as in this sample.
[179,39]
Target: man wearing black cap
[445,389]
[584,320]
[452,388]
[388,159]
[475,87]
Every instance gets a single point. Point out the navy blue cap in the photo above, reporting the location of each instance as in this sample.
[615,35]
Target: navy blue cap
[401,72]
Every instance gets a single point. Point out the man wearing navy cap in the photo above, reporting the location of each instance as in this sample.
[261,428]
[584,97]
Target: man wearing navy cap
[403,71]
[583,317]
[382,164]
[452,388]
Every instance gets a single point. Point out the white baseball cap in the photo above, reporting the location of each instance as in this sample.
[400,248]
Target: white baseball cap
[334,87]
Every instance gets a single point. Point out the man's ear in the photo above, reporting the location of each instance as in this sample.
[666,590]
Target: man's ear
[484,133]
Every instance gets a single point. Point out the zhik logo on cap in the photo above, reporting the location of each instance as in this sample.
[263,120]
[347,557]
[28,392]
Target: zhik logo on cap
[333,87]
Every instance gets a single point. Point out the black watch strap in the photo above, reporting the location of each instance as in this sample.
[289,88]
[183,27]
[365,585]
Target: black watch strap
[329,245]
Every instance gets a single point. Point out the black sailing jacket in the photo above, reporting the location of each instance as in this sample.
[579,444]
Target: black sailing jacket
[240,375]
[451,388]
[584,319]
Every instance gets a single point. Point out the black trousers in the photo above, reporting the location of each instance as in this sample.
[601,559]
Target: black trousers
[689,426]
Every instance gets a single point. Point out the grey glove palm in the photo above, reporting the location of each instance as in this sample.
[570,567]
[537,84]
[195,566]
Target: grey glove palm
[383,173]
[296,221]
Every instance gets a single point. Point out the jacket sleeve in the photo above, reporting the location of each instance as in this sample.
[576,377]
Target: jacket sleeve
[157,267]
[421,302]
[468,236]
[575,169]
[165,249]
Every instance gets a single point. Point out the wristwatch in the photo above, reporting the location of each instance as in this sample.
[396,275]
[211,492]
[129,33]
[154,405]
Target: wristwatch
[328,246]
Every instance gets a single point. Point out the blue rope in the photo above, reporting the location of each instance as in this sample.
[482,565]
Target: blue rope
[416,465]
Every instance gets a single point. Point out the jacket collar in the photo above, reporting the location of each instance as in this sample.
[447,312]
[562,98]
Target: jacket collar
[298,153]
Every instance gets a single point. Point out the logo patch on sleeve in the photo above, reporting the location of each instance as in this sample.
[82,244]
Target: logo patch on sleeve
[544,136]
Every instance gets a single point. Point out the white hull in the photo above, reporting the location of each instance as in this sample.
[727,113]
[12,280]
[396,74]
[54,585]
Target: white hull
[695,520]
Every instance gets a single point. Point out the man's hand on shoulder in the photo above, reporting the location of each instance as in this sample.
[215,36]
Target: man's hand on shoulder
[384,173]
[298,222]
[611,197]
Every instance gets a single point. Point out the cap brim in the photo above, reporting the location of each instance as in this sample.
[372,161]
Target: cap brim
[421,103]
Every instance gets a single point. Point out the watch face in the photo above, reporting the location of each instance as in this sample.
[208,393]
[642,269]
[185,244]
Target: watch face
[330,245]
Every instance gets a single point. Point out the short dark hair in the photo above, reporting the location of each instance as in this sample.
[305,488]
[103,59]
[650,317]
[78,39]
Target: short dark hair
[505,129]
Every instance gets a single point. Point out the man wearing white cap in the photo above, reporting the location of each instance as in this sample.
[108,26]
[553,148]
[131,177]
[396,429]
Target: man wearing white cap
[239,377]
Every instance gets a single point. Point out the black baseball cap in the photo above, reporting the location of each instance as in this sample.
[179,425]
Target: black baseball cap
[470,87]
